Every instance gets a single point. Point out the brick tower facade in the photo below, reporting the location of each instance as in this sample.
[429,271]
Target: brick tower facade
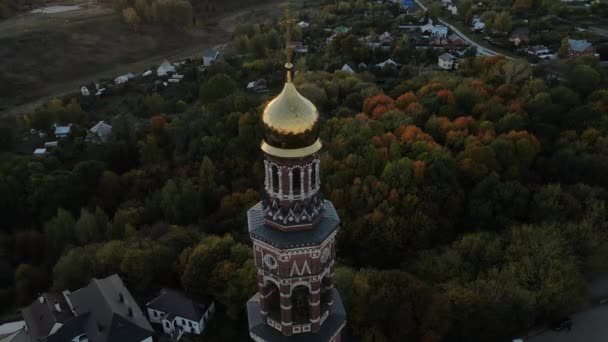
[293,231]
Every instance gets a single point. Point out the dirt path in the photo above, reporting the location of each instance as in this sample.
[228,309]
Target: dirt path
[206,37]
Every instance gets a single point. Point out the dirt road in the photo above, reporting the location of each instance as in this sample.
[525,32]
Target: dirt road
[198,39]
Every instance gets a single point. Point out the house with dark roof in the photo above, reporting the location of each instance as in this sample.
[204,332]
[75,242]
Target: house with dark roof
[46,316]
[103,311]
[520,36]
[179,314]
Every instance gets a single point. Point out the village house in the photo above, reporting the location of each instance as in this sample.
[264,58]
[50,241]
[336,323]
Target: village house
[407,4]
[446,61]
[179,314]
[103,311]
[210,56]
[49,145]
[520,36]
[62,131]
[341,29]
[123,78]
[428,27]
[478,25]
[538,50]
[348,69]
[385,38]
[257,86]
[100,133]
[298,47]
[453,9]
[387,62]
[40,152]
[303,25]
[455,40]
[84,91]
[165,68]
[579,48]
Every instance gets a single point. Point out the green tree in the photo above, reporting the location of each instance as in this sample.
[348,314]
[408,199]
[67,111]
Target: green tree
[76,268]
[503,22]
[465,11]
[217,87]
[86,229]
[60,233]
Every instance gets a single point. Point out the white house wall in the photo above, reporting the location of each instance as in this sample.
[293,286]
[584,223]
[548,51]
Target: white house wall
[155,315]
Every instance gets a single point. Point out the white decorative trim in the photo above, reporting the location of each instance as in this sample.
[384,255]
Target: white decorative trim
[295,269]
[299,283]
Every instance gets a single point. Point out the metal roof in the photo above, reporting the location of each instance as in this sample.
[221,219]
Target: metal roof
[579,45]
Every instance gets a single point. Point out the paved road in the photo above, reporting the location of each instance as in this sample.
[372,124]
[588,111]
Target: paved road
[480,49]
[589,326]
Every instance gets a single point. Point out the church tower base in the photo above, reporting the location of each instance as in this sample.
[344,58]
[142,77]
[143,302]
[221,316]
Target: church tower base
[330,330]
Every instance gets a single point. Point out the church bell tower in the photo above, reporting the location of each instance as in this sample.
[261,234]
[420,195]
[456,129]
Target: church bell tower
[293,230]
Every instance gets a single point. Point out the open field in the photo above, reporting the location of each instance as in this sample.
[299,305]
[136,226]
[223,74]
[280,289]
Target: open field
[46,55]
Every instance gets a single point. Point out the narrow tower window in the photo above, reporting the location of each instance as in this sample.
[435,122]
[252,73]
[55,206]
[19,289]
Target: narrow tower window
[296,181]
[313,177]
[275,178]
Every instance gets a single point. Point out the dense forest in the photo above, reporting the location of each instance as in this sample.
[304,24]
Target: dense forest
[473,202]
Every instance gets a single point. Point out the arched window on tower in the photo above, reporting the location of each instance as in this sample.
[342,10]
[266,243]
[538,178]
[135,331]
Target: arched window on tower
[300,305]
[296,181]
[275,178]
[272,301]
[326,295]
[313,176]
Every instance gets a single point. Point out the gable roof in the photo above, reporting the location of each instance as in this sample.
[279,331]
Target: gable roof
[385,36]
[164,68]
[113,314]
[17,336]
[347,68]
[69,330]
[341,29]
[101,130]
[176,303]
[446,57]
[521,31]
[210,53]
[42,315]
[388,61]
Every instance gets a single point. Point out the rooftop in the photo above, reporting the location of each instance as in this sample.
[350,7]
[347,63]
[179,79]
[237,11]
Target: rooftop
[579,45]
[176,303]
[113,314]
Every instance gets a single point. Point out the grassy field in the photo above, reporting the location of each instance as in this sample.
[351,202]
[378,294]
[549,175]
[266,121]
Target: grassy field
[48,55]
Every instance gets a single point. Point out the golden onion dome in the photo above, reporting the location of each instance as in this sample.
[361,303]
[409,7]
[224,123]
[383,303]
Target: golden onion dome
[291,124]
